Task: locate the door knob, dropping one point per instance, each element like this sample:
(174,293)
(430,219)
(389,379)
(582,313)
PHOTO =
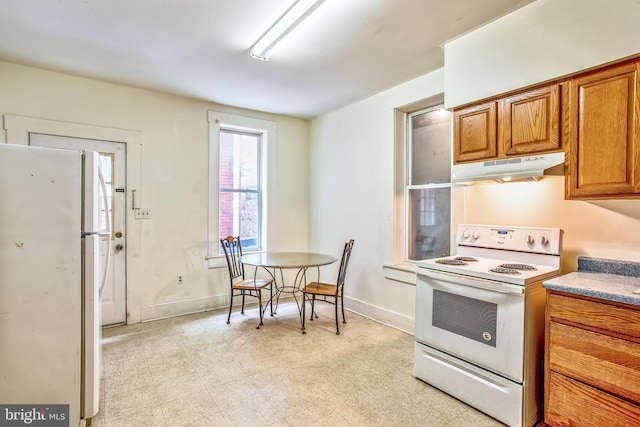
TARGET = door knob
(119,247)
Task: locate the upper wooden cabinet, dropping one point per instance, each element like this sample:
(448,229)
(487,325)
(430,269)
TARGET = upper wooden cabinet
(475,132)
(521,124)
(530,121)
(603,125)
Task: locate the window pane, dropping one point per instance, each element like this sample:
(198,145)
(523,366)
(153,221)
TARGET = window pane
(429,223)
(430,147)
(239,154)
(239,216)
(106,164)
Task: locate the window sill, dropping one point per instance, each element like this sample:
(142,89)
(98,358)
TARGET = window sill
(403,273)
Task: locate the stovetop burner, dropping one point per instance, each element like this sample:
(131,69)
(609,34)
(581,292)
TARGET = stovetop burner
(466,259)
(451,261)
(518,266)
(503,270)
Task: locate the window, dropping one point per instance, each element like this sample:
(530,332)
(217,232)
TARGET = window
(423,192)
(239,183)
(240,192)
(428,188)
(106,162)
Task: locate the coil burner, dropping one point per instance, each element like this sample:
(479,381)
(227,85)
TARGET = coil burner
(503,270)
(466,259)
(448,261)
(518,267)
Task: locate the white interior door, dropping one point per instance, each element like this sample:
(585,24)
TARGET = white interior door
(113,161)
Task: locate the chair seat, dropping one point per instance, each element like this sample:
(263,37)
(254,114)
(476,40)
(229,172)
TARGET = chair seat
(320,288)
(250,284)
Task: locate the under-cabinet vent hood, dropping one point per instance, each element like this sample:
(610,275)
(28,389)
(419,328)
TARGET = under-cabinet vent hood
(512,168)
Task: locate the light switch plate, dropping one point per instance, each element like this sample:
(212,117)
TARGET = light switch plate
(143,213)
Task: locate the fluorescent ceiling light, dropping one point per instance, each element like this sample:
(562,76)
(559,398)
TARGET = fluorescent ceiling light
(292,17)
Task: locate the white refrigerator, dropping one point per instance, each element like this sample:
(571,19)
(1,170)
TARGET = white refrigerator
(52,209)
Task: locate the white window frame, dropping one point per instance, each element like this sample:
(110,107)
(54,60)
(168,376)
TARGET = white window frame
(408,173)
(402,159)
(268,130)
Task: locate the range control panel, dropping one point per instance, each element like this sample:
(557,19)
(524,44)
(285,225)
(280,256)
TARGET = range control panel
(524,239)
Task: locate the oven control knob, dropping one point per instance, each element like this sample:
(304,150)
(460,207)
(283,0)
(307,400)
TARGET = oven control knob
(530,239)
(465,234)
(476,234)
(543,240)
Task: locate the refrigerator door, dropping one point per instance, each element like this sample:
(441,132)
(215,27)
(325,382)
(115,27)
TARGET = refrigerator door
(96,228)
(40,277)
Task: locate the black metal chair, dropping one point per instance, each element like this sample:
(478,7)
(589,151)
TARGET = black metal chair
(240,286)
(328,290)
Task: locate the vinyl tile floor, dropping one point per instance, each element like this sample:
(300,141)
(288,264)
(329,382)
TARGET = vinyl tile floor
(196,370)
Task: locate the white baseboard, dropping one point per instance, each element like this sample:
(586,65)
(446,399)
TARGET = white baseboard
(197,305)
(381,315)
(179,308)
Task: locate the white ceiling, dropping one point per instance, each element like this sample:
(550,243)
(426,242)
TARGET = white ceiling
(345,51)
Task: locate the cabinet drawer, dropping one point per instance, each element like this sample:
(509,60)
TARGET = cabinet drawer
(604,317)
(608,363)
(572,403)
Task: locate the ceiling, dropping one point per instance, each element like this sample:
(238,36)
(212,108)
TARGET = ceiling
(345,51)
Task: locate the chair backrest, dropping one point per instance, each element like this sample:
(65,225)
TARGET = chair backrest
(346,255)
(232,251)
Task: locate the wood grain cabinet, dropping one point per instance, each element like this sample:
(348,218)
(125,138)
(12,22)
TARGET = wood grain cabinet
(531,121)
(592,362)
(475,131)
(521,124)
(603,125)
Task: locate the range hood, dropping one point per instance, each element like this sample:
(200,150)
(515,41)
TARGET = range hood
(512,168)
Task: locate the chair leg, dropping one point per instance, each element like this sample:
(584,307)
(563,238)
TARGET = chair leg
(260,303)
(230,305)
(336,309)
(304,305)
(342,304)
(242,311)
(271,298)
(313,307)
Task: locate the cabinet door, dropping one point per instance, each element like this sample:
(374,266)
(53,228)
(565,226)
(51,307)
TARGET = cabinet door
(604,158)
(474,133)
(530,121)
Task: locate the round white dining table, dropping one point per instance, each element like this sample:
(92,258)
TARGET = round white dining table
(276,262)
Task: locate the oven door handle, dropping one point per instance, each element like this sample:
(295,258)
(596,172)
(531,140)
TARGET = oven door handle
(472,282)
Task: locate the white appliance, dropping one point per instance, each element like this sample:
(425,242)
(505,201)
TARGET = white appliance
(480,319)
(50,277)
(514,167)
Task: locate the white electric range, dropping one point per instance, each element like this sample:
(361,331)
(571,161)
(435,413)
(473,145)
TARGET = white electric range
(480,318)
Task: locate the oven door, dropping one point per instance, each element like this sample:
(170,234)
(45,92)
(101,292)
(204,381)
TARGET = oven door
(477,320)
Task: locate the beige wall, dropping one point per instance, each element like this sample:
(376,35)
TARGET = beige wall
(603,229)
(173,175)
(352,196)
(352,149)
(544,40)
(539,42)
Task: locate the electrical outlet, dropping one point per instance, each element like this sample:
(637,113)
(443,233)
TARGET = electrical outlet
(143,213)
(180,280)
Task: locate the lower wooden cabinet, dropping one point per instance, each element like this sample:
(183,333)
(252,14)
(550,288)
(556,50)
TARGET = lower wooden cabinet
(573,403)
(592,362)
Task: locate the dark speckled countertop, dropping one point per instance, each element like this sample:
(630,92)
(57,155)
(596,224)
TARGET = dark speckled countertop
(606,279)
